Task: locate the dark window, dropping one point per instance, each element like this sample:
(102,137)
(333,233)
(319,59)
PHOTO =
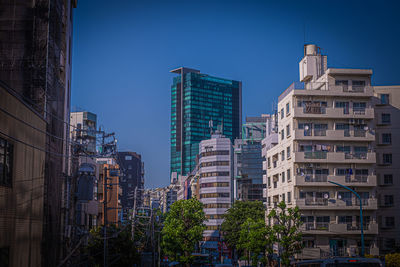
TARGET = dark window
(389,200)
(389,221)
(282,113)
(386,138)
(387,158)
(6,162)
(385,99)
(388,178)
(385,117)
(289,197)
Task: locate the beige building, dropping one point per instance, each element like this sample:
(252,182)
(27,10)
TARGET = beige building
(387,121)
(22,167)
(326,133)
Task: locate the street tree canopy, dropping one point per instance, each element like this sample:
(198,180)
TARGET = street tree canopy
(285,231)
(235,218)
(183,229)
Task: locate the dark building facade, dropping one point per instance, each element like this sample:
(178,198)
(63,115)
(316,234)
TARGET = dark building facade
(133,176)
(35,61)
(200,102)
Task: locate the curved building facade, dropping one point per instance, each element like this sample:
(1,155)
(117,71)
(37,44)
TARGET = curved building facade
(215,168)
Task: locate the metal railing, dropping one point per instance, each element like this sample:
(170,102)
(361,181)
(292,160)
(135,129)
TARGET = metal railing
(314,110)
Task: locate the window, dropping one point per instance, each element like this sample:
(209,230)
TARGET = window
(288,152)
(283,177)
(283,197)
(128,157)
(389,222)
(287,108)
(388,179)
(385,118)
(358,83)
(282,134)
(282,113)
(289,197)
(6,162)
(288,130)
(389,200)
(387,158)
(283,155)
(341,82)
(288,175)
(386,138)
(269,181)
(384,99)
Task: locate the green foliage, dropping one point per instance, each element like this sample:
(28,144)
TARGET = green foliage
(392,260)
(121,249)
(183,229)
(285,231)
(236,216)
(252,239)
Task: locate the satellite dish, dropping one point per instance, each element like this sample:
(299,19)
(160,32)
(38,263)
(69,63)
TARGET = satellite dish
(326,196)
(306,127)
(365,128)
(339,196)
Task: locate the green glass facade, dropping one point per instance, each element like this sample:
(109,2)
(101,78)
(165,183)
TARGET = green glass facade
(196,101)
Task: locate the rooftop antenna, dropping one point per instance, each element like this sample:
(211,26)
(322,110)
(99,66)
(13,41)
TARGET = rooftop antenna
(210,124)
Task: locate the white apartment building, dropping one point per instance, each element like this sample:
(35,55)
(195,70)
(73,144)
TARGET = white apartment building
(326,133)
(387,121)
(215,169)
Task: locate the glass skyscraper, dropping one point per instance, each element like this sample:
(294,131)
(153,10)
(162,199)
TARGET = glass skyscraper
(199,103)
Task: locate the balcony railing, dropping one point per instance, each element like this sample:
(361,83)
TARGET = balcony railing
(357,227)
(357,179)
(315,155)
(319,132)
(358,111)
(314,110)
(316,202)
(356,155)
(316,178)
(360,133)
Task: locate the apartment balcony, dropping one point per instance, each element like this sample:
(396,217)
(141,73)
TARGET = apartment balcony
(332,204)
(325,112)
(334,157)
(337,90)
(342,228)
(349,180)
(338,228)
(339,135)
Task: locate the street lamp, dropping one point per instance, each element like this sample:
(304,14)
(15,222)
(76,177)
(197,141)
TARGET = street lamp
(361,215)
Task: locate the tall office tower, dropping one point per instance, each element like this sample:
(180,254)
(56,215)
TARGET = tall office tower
(35,61)
(198,102)
(83,129)
(215,169)
(326,133)
(248,171)
(387,121)
(133,177)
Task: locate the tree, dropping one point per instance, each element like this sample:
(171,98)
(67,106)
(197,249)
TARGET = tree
(183,229)
(236,216)
(252,239)
(121,249)
(392,260)
(285,231)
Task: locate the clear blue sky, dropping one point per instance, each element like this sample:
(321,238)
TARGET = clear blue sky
(123,51)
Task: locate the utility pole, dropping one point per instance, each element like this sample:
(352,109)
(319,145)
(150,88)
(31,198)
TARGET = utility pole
(134,215)
(105,216)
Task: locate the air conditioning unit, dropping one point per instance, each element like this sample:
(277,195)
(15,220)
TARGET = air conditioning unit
(351,121)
